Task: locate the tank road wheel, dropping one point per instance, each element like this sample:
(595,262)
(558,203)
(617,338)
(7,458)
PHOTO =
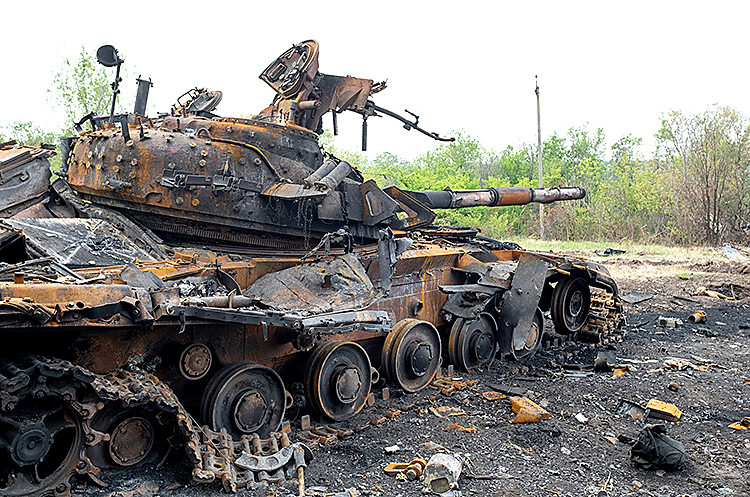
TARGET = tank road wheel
(411,354)
(472,344)
(136,435)
(244,397)
(571,301)
(528,345)
(40,445)
(338,379)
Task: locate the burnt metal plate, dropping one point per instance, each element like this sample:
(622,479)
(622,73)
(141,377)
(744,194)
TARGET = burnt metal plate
(286,74)
(23,180)
(80,242)
(521,301)
(636,297)
(319,287)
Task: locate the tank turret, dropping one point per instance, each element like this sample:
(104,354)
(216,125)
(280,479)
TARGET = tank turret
(257,182)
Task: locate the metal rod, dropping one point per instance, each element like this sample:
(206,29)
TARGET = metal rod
(408,124)
(364,134)
(539,157)
(301,480)
(115,91)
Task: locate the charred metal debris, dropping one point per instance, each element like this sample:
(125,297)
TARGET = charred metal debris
(135,416)
(184,269)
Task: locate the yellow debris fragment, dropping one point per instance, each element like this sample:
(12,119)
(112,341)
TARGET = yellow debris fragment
(662,410)
(445,411)
(526,410)
(683,364)
(701,290)
(742,424)
(621,371)
(492,396)
(454,426)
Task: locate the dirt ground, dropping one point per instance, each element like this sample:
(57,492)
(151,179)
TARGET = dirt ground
(561,456)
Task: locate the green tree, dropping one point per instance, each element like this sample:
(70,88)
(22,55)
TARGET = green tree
(516,165)
(82,86)
(626,148)
(585,145)
(27,133)
(710,162)
(387,169)
(353,157)
(465,154)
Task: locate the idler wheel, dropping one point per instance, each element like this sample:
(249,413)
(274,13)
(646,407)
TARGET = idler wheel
(338,379)
(244,397)
(131,441)
(411,354)
(571,302)
(41,441)
(472,343)
(135,435)
(527,345)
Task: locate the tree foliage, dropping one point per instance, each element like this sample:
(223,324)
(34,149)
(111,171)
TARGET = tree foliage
(79,87)
(353,157)
(695,191)
(710,167)
(27,133)
(82,86)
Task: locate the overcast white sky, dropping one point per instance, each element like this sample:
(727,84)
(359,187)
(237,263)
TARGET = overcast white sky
(459,65)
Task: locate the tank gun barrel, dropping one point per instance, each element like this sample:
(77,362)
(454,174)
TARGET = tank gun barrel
(491,197)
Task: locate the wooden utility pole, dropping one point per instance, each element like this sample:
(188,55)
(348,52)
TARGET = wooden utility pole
(539,157)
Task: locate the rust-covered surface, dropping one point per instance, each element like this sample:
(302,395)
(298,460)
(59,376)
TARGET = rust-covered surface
(185,269)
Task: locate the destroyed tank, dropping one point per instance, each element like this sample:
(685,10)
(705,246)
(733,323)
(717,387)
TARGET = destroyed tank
(186,272)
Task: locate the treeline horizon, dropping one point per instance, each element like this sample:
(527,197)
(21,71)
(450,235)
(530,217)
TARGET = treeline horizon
(692,191)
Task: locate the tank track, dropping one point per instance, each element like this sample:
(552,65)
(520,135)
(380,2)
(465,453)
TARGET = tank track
(605,321)
(34,389)
(604,325)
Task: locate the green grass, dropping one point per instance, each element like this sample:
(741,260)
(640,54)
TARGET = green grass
(632,250)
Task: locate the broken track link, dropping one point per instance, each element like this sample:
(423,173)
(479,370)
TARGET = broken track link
(605,321)
(603,325)
(46,411)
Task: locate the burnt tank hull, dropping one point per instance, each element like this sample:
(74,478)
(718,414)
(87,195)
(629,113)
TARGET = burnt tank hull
(198,281)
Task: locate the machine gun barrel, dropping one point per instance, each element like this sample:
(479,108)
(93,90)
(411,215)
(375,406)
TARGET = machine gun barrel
(491,197)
